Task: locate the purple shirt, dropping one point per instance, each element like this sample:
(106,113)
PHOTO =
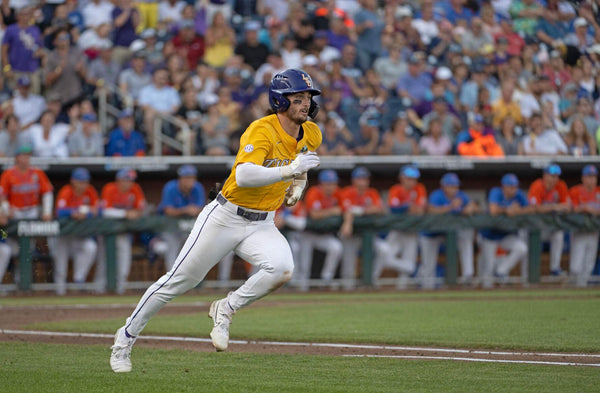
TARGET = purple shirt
(22,43)
(125,34)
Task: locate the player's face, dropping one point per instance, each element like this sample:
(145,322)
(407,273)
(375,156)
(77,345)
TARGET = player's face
(550,181)
(124,184)
(299,106)
(450,191)
(408,182)
(509,191)
(361,183)
(589,181)
(79,186)
(22,161)
(186,183)
(329,188)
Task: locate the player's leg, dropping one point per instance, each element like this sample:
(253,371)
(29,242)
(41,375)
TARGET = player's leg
(349,256)
(4,258)
(589,258)
(123,245)
(556,249)
(83,258)
(576,254)
(59,249)
(225,265)
(517,252)
(430,248)
(466,238)
(333,248)
(173,243)
(488,261)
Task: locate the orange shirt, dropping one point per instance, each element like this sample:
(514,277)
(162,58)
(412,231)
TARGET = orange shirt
(24,189)
(538,195)
(67,199)
(581,196)
(399,196)
(316,199)
(115,198)
(350,197)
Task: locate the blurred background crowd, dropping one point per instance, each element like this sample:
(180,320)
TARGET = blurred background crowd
(463,77)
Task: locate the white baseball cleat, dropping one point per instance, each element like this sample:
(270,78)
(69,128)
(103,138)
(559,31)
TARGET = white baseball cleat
(221,315)
(120,358)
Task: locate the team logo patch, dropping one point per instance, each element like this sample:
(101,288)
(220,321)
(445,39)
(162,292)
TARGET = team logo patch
(304,149)
(249,148)
(307,80)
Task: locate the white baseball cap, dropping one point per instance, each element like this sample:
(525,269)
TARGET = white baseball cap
(443,73)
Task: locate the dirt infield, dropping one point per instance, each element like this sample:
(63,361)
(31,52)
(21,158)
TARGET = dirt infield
(14,321)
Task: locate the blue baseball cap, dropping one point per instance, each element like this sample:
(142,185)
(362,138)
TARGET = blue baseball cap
(450,179)
(510,179)
(126,174)
(589,170)
(553,169)
(89,117)
(80,174)
(187,170)
(360,171)
(328,176)
(127,112)
(23,81)
(410,171)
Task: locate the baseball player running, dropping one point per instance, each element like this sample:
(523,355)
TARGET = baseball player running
(276,152)
(407,197)
(584,245)
(77,201)
(550,194)
(511,201)
(26,193)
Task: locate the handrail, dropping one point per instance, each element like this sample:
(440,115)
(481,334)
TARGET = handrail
(158,138)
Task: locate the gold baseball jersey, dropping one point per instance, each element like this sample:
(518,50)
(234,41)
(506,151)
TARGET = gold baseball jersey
(266,143)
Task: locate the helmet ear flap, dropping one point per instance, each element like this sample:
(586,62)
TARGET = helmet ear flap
(314,108)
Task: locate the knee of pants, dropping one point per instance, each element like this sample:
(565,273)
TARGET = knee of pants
(335,248)
(521,248)
(90,247)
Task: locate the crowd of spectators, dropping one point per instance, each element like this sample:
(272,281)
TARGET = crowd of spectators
(464,77)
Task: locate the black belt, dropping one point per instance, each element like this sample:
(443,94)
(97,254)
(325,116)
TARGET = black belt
(248,215)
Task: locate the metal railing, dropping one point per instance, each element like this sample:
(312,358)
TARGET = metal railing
(105,109)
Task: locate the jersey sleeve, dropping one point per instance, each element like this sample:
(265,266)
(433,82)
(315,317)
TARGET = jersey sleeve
(255,144)
(106,195)
(140,199)
(200,195)
(535,194)
(312,199)
(563,192)
(421,195)
(574,194)
(437,198)
(495,196)
(315,137)
(374,194)
(522,198)
(45,185)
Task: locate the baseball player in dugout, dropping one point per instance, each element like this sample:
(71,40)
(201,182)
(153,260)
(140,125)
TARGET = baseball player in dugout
(550,194)
(407,197)
(77,200)
(585,198)
(122,198)
(26,193)
(276,152)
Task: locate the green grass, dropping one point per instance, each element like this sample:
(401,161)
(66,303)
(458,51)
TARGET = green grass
(562,323)
(68,368)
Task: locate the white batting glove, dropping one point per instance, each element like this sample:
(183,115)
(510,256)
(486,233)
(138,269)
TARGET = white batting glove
(300,165)
(294,192)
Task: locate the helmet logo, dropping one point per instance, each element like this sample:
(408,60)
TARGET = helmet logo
(307,80)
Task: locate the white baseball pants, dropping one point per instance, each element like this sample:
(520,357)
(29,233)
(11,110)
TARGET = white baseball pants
(352,245)
(330,244)
(123,251)
(517,251)
(584,251)
(557,241)
(82,250)
(405,244)
(219,230)
(430,250)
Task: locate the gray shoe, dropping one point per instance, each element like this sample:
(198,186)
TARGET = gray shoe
(120,358)
(221,313)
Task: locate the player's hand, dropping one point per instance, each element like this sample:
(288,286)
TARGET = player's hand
(294,192)
(302,164)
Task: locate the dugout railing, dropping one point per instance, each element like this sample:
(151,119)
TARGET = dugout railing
(367,227)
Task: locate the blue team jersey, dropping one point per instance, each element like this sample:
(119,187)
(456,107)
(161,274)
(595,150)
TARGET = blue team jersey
(497,196)
(173,197)
(439,199)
